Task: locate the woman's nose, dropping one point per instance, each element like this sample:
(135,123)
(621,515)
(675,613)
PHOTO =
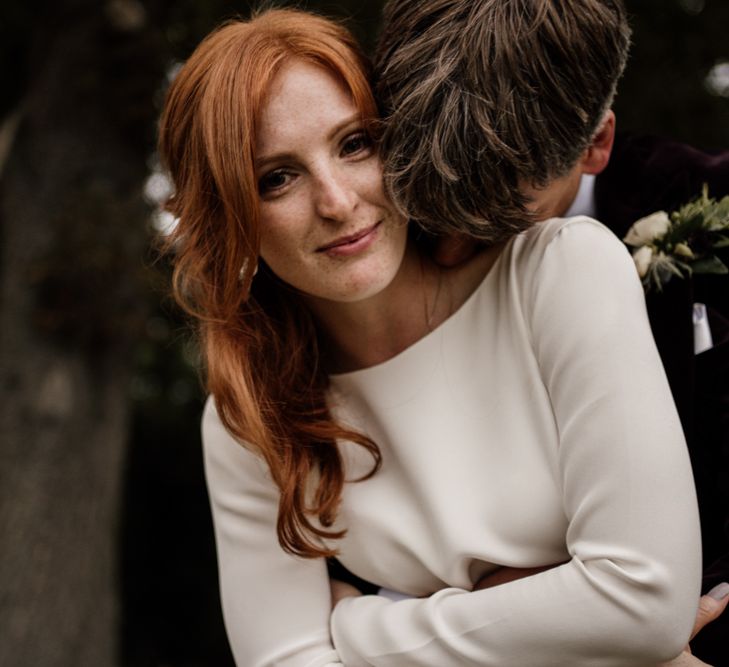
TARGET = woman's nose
(336,197)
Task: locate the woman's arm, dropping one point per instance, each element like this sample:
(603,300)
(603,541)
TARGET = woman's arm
(710,607)
(276,607)
(628,594)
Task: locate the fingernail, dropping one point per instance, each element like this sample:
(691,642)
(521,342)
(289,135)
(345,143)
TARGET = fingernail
(719,592)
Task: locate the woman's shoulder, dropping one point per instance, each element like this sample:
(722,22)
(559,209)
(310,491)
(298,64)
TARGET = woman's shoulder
(523,254)
(578,241)
(579,229)
(211,426)
(575,260)
(223,454)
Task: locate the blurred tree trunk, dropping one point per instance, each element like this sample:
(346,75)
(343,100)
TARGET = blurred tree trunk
(72,223)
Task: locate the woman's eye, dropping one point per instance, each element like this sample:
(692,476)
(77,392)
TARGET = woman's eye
(356,143)
(273,181)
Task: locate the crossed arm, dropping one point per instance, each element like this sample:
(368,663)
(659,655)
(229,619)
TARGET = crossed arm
(710,607)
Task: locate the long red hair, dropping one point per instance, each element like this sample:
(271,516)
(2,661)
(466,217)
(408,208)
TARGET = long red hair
(259,342)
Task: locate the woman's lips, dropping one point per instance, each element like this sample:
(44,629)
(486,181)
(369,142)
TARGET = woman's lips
(352,244)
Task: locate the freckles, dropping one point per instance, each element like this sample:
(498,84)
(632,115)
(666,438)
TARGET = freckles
(377,184)
(284,232)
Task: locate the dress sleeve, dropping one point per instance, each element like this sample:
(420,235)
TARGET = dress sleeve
(628,595)
(276,606)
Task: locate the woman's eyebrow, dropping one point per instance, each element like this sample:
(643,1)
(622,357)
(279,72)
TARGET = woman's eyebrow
(261,161)
(258,163)
(354,118)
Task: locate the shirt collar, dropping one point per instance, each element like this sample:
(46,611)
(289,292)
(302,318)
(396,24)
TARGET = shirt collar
(584,201)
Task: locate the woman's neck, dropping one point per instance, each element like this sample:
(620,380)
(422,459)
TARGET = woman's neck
(421,297)
(364,333)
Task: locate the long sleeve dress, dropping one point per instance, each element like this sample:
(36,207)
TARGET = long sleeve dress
(534,426)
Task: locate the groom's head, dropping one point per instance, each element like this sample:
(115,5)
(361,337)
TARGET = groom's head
(490,103)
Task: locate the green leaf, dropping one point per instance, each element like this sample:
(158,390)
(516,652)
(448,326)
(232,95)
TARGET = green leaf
(709,265)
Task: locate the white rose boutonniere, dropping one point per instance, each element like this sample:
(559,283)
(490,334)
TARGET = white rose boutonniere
(681,243)
(642,258)
(648,228)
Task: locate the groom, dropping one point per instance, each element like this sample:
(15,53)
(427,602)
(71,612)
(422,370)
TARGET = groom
(498,114)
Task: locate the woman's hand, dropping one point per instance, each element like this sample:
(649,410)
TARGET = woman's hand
(341,590)
(710,608)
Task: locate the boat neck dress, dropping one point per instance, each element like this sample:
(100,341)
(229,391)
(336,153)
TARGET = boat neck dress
(534,426)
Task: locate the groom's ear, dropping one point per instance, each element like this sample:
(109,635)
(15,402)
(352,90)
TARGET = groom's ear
(597,155)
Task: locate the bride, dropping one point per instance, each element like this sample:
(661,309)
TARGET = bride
(431,427)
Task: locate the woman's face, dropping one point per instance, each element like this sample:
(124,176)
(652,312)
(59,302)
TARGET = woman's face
(327,227)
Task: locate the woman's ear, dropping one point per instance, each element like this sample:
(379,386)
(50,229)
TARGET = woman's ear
(597,155)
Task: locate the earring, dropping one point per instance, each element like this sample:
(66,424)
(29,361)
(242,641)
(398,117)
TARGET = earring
(242,274)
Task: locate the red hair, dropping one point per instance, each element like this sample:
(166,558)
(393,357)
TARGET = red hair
(259,342)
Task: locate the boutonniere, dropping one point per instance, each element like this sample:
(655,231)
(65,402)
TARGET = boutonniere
(681,243)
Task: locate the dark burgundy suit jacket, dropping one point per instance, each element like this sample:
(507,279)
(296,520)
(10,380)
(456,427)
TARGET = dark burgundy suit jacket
(647,174)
